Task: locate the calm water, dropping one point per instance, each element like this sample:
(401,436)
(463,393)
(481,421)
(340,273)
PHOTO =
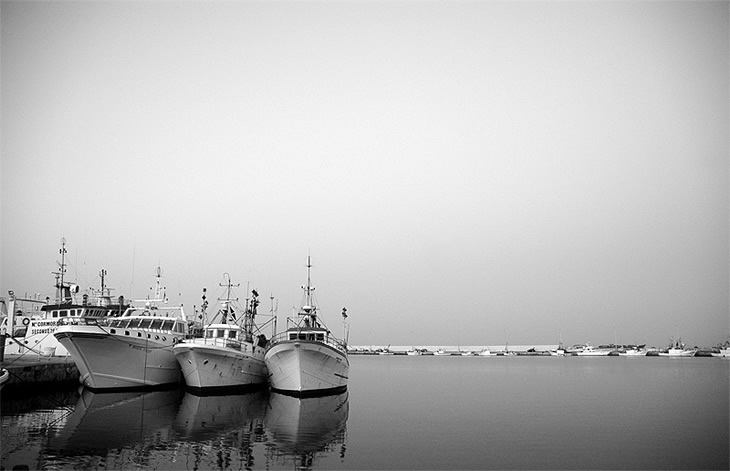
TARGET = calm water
(401,412)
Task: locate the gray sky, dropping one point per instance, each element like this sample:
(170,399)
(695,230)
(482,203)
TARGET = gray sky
(461,172)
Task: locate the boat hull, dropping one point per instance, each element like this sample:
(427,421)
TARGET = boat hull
(36,339)
(307,368)
(212,367)
(115,361)
(677,352)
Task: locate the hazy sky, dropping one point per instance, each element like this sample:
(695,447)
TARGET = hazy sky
(461,172)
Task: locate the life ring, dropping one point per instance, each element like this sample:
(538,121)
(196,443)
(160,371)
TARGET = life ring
(26,321)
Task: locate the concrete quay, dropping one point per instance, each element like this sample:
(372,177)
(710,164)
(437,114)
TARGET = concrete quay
(31,371)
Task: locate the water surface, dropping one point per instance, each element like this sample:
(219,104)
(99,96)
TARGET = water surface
(400,412)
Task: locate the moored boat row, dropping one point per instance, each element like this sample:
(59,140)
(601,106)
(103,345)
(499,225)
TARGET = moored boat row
(151,344)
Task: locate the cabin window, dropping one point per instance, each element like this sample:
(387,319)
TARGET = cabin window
(124,324)
(320,337)
(62,313)
(232,334)
(292,336)
(220,333)
(134,323)
(145,324)
(168,325)
(209,334)
(157,323)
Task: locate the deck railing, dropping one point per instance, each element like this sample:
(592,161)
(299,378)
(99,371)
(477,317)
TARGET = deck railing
(310,336)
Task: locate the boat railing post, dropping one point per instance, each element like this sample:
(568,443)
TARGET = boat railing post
(2,345)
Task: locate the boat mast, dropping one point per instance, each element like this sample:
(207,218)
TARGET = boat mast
(159,289)
(309,309)
(227,301)
(309,288)
(60,295)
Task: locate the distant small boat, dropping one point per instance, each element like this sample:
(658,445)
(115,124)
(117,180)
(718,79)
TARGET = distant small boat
(677,349)
(633,352)
(723,350)
(485,352)
(413,352)
(386,351)
(441,352)
(589,350)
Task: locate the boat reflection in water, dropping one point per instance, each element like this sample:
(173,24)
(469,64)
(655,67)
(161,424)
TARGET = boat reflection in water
(102,422)
(206,417)
(221,431)
(175,429)
(300,429)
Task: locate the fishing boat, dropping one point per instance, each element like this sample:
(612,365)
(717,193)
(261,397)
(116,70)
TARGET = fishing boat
(413,351)
(133,350)
(31,321)
(229,355)
(486,352)
(677,348)
(588,350)
(307,359)
(723,349)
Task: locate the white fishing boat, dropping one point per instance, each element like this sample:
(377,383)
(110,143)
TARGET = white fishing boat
(441,352)
(307,359)
(30,322)
(724,352)
(230,355)
(386,351)
(589,350)
(723,349)
(413,351)
(677,348)
(632,350)
(130,351)
(486,352)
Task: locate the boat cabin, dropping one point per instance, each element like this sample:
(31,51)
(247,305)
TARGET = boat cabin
(307,334)
(152,323)
(58,311)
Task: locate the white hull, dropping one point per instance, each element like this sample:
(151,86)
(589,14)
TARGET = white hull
(37,340)
(209,366)
(633,353)
(724,353)
(302,367)
(106,360)
(677,352)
